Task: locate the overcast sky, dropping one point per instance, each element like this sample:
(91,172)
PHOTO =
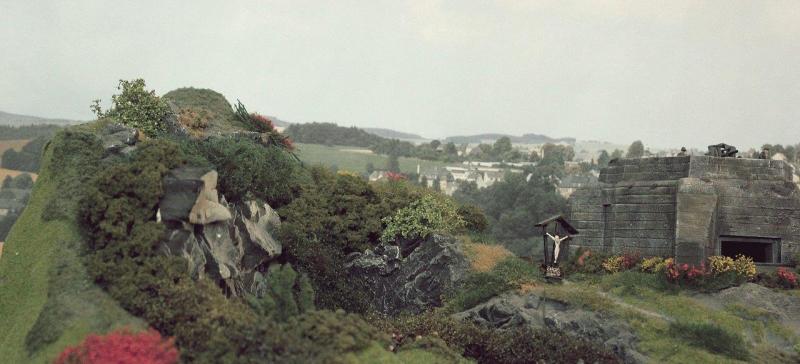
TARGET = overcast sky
(669,73)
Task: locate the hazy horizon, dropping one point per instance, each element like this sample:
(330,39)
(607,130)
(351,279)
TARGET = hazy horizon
(687,73)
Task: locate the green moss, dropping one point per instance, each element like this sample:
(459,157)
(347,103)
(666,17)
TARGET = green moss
(711,337)
(40,270)
(221,114)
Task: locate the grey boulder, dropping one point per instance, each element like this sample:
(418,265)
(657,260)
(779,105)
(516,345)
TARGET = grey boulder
(227,243)
(409,284)
(512,310)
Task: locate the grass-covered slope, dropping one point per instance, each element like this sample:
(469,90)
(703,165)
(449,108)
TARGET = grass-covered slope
(220,111)
(47,301)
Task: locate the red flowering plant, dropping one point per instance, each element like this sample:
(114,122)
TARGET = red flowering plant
(786,278)
(394,176)
(122,347)
(630,260)
(686,274)
(261,124)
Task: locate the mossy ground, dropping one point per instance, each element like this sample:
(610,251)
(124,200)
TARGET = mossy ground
(42,278)
(650,307)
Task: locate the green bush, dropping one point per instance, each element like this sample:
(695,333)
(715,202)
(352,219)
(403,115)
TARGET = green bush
(334,215)
(474,218)
(327,335)
(248,170)
(287,294)
(712,338)
(485,345)
(75,158)
(137,108)
(422,218)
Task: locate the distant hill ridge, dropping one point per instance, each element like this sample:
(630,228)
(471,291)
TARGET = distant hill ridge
(392,134)
(7,118)
(529,138)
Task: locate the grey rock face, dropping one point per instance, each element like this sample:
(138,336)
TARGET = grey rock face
(414,283)
(515,310)
(118,139)
(227,243)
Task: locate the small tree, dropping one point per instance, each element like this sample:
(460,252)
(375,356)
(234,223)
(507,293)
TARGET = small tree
(636,150)
(393,165)
(136,107)
(287,294)
(603,158)
(422,218)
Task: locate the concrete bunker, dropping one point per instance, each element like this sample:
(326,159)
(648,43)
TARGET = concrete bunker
(691,207)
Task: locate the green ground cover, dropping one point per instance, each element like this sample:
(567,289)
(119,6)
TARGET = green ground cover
(47,300)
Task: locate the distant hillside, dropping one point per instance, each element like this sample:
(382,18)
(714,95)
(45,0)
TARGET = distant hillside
(524,139)
(392,134)
(7,118)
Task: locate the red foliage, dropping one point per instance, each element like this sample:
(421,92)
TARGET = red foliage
(393,176)
(630,260)
(582,258)
(786,278)
(261,123)
(287,143)
(122,347)
(686,273)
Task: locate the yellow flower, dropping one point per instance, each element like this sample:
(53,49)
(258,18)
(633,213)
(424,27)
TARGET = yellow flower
(720,264)
(613,264)
(652,264)
(744,266)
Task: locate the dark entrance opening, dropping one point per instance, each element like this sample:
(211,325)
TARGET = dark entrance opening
(760,249)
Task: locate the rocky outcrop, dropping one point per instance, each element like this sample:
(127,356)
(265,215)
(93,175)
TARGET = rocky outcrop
(517,309)
(231,244)
(412,283)
(118,139)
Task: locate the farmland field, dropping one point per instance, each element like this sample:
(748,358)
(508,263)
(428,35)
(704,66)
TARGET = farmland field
(354,159)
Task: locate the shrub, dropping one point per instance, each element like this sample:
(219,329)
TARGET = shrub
(712,338)
(720,264)
(122,347)
(486,345)
(248,170)
(785,278)
(622,262)
(744,267)
(652,265)
(474,218)
(422,218)
(137,108)
(261,124)
(324,336)
(586,261)
(287,294)
(195,121)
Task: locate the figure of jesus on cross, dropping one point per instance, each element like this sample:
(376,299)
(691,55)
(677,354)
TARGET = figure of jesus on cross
(557,245)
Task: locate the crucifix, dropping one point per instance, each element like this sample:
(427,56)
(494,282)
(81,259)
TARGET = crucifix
(557,245)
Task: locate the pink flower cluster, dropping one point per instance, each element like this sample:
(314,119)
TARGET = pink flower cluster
(122,347)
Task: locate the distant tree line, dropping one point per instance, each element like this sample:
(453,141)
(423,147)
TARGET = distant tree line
(28,159)
(501,150)
(27,132)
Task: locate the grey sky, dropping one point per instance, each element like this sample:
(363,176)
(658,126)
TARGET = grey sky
(670,73)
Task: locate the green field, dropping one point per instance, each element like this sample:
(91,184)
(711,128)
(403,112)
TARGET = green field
(355,159)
